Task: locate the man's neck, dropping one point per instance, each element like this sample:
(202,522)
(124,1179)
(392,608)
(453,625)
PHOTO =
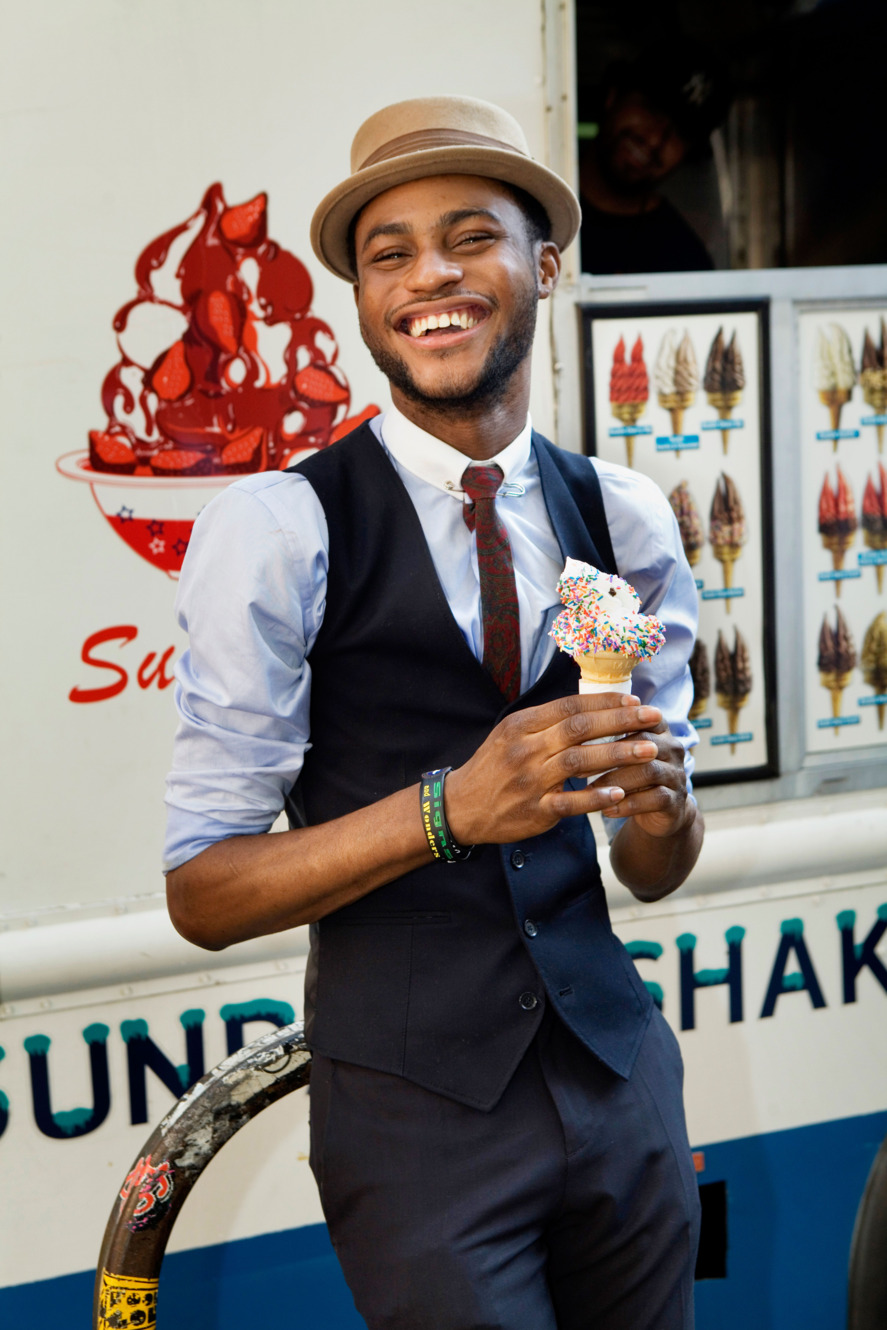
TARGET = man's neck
(479,434)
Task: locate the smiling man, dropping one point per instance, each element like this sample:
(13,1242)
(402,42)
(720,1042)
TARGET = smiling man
(496,1118)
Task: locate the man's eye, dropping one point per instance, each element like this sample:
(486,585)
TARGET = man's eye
(475,238)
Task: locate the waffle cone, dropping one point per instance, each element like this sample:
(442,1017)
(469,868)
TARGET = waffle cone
(676,404)
(835,399)
(605,669)
(724,404)
(732,705)
(837,547)
(628,413)
(726,556)
(835,681)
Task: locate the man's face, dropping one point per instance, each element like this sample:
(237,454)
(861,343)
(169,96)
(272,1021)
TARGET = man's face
(639,145)
(448,282)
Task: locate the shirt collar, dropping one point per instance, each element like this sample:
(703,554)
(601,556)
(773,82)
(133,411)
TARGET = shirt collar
(436,462)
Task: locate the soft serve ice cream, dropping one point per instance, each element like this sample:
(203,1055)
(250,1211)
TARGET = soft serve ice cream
(602,627)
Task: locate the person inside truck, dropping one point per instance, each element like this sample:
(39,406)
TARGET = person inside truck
(657,113)
(497,1128)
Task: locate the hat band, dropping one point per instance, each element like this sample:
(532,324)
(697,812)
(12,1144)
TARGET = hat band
(423,139)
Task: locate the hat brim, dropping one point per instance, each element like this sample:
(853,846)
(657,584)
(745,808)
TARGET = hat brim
(334,215)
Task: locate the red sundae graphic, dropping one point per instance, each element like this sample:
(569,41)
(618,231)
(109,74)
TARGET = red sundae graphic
(223,370)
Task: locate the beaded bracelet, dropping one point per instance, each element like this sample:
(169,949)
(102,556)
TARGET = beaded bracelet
(434,819)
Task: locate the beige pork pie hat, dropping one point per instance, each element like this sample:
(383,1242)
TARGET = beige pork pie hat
(429,136)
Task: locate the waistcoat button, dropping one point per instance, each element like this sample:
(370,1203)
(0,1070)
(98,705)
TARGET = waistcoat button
(530,928)
(528,1001)
(518,859)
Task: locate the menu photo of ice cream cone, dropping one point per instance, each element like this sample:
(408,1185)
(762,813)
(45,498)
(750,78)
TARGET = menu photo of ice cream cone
(727,533)
(836,662)
(837,527)
(835,375)
(629,394)
(676,379)
(874,525)
(873,381)
(873,662)
(733,685)
(683,506)
(700,673)
(724,381)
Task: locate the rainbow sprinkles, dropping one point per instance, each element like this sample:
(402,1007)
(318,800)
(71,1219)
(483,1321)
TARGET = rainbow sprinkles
(603,613)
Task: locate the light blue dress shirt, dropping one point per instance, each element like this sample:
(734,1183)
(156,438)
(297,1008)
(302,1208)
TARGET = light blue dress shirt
(252,596)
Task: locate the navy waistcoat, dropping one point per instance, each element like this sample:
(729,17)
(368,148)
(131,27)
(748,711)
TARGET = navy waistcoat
(442,975)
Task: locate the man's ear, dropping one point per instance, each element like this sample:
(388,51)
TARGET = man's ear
(356,289)
(549,268)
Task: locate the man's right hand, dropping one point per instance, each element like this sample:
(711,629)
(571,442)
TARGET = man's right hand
(513,786)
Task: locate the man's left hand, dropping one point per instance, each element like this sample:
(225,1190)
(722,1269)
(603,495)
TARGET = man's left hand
(655,793)
(659,843)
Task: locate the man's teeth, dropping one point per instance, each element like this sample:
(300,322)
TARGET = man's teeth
(457,318)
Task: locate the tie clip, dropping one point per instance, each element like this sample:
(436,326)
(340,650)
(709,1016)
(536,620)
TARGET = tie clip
(512,489)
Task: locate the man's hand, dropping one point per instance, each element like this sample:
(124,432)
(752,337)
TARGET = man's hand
(656,792)
(655,850)
(513,786)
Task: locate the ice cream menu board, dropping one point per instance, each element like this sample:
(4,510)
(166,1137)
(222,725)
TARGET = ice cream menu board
(842,357)
(677,392)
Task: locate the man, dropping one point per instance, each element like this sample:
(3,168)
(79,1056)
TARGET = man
(497,1130)
(658,112)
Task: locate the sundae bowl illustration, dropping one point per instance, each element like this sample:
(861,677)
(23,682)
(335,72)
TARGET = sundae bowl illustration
(223,370)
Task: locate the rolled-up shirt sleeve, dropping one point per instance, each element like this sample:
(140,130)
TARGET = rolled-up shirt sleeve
(251,598)
(649,554)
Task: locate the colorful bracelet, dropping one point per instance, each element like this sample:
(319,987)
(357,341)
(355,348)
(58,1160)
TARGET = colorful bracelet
(434,819)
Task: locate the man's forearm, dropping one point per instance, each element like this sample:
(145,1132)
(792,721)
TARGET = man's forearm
(512,787)
(248,886)
(652,866)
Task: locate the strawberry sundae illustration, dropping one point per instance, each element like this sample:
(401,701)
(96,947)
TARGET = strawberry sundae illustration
(249,381)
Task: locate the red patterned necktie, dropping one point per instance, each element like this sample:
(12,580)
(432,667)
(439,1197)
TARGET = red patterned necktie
(498,593)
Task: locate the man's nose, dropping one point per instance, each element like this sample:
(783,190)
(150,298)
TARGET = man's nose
(658,131)
(432,268)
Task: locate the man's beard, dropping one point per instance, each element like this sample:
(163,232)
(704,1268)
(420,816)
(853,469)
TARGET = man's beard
(504,359)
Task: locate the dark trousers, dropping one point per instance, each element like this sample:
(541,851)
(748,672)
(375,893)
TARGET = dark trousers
(572,1205)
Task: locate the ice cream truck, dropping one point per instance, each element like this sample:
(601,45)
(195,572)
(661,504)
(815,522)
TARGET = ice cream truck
(161,155)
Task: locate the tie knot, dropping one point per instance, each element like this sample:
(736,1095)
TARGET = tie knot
(482,482)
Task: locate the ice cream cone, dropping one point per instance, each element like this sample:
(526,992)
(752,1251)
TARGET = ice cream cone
(604,671)
(879,576)
(881,709)
(628,413)
(732,705)
(726,556)
(835,681)
(835,399)
(676,404)
(699,708)
(724,404)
